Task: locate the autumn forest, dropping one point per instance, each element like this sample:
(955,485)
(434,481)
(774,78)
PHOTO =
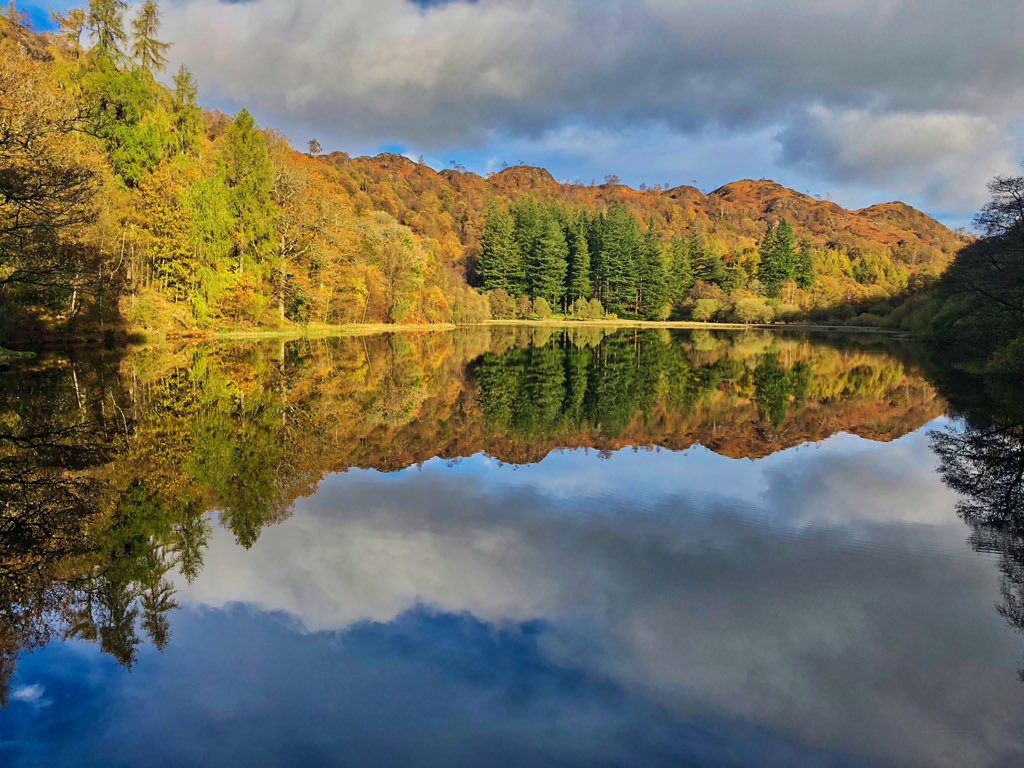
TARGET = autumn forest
(128,207)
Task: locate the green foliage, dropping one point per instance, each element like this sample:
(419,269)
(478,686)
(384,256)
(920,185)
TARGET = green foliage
(249,176)
(500,265)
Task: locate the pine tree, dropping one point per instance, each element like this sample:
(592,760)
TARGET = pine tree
(106,25)
(652,287)
(579,285)
(250,179)
(620,246)
(778,259)
(681,274)
(500,264)
(147,50)
(708,265)
(547,263)
(804,273)
(187,115)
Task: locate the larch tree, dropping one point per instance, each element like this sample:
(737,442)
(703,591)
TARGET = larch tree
(150,52)
(106,26)
(188,118)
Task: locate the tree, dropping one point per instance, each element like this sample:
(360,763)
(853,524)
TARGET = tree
(314,148)
(620,245)
(47,189)
(188,119)
(708,264)
(804,272)
(500,264)
(778,259)
(578,285)
(652,286)
(147,50)
(681,275)
(106,25)
(547,263)
(71,27)
(249,174)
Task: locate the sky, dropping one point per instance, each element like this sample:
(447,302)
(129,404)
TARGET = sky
(858,101)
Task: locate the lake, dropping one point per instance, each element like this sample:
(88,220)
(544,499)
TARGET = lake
(508,546)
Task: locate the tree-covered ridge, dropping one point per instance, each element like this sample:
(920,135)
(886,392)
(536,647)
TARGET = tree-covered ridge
(125,206)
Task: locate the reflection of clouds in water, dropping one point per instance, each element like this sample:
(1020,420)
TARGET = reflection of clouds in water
(804,604)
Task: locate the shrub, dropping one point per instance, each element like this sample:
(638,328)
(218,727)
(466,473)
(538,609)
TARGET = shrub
(664,313)
(524,309)
(503,306)
(752,311)
(580,309)
(541,308)
(705,310)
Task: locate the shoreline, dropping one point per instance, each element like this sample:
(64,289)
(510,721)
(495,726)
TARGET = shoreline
(136,337)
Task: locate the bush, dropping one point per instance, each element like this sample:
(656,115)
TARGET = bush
(524,310)
(541,308)
(468,306)
(596,311)
(664,313)
(706,310)
(579,309)
(503,306)
(752,311)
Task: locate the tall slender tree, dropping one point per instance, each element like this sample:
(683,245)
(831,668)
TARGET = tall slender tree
(146,48)
(500,264)
(188,118)
(249,174)
(579,285)
(681,270)
(652,287)
(547,263)
(106,26)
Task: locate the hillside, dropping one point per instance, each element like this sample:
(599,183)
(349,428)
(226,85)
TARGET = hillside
(130,207)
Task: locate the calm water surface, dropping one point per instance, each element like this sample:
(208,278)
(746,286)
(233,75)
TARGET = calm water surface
(506,548)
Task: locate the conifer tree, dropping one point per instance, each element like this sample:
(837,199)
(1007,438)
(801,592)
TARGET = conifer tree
(106,25)
(579,285)
(778,259)
(187,115)
(804,272)
(620,245)
(147,50)
(652,288)
(708,265)
(500,264)
(681,274)
(547,263)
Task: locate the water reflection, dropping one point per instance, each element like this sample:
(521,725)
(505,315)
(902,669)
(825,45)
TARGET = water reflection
(420,603)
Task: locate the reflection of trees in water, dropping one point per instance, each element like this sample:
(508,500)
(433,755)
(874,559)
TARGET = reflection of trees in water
(108,471)
(985,465)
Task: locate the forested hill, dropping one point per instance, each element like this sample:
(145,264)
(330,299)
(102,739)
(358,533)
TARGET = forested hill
(125,205)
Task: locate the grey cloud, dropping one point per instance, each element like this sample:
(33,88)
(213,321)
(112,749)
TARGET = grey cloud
(460,74)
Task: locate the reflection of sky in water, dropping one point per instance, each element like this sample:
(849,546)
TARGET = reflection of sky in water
(819,606)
